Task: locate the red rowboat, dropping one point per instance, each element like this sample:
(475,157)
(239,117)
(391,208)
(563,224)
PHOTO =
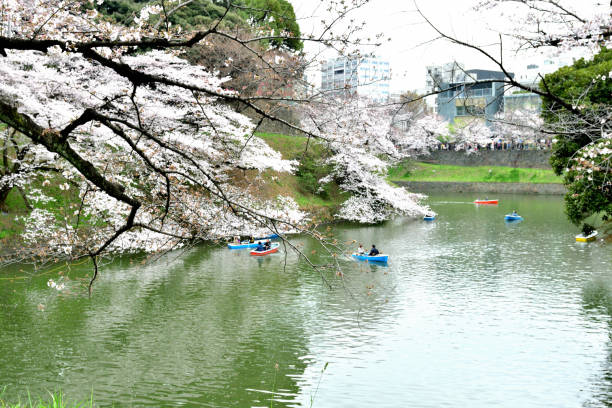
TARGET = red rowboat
(486,201)
(273,249)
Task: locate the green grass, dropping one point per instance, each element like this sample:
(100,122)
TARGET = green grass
(291,147)
(15,206)
(417,171)
(307,201)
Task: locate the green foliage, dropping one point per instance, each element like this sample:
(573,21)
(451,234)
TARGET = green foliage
(203,13)
(310,171)
(275,16)
(585,84)
(576,84)
(570,83)
(587,229)
(589,192)
(278,16)
(304,190)
(311,168)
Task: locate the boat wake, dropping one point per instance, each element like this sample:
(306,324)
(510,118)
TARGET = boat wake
(453,202)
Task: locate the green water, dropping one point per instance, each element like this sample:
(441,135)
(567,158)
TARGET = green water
(469,312)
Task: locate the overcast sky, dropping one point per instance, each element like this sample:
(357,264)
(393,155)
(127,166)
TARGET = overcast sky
(411,48)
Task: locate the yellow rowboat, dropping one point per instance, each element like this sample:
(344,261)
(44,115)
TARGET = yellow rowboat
(591,237)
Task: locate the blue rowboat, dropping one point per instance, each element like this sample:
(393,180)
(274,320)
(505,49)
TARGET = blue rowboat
(271,236)
(513,217)
(375,258)
(245,244)
(429,217)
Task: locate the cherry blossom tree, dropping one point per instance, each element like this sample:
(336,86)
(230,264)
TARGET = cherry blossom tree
(422,134)
(145,146)
(519,126)
(363,142)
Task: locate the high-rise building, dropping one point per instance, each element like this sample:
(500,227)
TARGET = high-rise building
(367,77)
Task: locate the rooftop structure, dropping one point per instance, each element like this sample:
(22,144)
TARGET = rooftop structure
(450,72)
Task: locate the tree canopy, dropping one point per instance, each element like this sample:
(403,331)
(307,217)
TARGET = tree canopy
(150,149)
(276,18)
(587,85)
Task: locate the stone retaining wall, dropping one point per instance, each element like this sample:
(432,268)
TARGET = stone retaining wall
(501,188)
(536,159)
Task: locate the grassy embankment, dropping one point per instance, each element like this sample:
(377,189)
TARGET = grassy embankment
(15,206)
(302,186)
(417,171)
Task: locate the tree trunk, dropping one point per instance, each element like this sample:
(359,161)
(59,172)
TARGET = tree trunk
(4,192)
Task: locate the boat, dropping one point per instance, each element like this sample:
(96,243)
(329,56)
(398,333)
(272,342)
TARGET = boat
(248,244)
(273,249)
(244,244)
(486,201)
(591,237)
(513,217)
(271,236)
(429,217)
(375,258)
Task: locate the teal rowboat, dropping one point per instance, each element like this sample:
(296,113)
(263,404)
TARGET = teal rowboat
(375,258)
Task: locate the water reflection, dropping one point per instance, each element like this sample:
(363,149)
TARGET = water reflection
(469,311)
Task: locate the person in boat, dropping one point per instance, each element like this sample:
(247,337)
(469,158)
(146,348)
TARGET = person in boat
(251,240)
(373,251)
(360,250)
(260,247)
(268,245)
(514,213)
(237,239)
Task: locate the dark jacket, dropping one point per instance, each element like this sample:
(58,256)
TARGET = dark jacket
(374,251)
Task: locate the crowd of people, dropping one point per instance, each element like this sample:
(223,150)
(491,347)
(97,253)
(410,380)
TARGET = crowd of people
(499,144)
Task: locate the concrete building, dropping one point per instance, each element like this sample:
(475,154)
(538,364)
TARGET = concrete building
(367,77)
(465,98)
(448,73)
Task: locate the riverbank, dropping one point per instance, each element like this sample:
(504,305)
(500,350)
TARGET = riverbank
(427,177)
(419,171)
(482,188)
(303,187)
(539,159)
